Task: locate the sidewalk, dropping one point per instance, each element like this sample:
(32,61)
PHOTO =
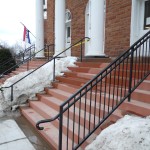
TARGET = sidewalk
(17,134)
(12,137)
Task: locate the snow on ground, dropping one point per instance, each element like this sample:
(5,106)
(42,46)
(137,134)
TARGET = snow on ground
(128,133)
(32,84)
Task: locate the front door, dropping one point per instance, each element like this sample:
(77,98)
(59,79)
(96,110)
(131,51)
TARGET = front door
(140,19)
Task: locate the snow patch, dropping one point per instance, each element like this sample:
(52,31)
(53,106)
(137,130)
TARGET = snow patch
(34,83)
(128,133)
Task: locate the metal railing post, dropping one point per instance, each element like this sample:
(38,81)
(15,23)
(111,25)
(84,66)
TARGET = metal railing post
(130,76)
(54,70)
(12,94)
(30,54)
(60,128)
(23,56)
(81,51)
(27,65)
(48,50)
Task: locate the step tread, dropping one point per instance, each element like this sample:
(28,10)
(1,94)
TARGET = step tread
(140,104)
(44,108)
(61,92)
(71,78)
(142,91)
(68,85)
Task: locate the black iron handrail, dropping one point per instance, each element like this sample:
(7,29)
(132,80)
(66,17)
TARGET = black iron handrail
(53,58)
(102,95)
(26,60)
(6,62)
(19,56)
(46,121)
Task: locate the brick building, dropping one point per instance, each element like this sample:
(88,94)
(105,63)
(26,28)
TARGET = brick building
(111,25)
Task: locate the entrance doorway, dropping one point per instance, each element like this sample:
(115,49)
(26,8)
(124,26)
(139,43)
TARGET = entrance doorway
(140,19)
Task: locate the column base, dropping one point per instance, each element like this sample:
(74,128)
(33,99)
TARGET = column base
(40,57)
(102,56)
(95,55)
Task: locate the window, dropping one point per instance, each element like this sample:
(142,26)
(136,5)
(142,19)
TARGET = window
(68,32)
(147,15)
(43,2)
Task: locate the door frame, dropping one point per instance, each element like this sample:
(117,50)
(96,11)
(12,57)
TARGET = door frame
(137,20)
(87,27)
(68,32)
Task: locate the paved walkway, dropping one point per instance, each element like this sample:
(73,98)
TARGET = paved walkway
(16,131)
(12,137)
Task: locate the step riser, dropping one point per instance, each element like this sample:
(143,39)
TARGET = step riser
(133,109)
(92,65)
(71,81)
(79,75)
(85,70)
(144,86)
(57,95)
(65,88)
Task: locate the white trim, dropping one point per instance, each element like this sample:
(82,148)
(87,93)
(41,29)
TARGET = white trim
(68,24)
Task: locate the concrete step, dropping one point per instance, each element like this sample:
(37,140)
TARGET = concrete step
(92,64)
(79,75)
(136,107)
(59,94)
(72,80)
(85,69)
(65,87)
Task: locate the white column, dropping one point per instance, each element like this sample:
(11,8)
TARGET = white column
(59,26)
(39,28)
(97,28)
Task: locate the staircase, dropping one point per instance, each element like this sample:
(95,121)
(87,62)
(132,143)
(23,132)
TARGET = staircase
(33,64)
(76,122)
(91,96)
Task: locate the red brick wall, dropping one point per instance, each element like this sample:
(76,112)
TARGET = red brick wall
(117,26)
(49,30)
(77,9)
